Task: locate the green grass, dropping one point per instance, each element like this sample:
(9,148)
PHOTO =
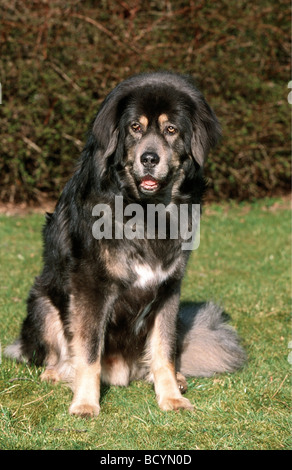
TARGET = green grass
(243,262)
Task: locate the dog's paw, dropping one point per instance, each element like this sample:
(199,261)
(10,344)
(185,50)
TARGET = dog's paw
(175,404)
(50,375)
(84,410)
(181,382)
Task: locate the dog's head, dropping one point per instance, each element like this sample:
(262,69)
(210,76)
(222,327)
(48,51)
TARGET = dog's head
(152,128)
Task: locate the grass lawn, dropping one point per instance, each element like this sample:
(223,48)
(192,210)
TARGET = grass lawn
(243,262)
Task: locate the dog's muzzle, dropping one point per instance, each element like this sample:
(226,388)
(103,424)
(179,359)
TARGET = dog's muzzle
(149,159)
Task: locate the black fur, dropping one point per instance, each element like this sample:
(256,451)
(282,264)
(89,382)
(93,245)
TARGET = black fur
(116,308)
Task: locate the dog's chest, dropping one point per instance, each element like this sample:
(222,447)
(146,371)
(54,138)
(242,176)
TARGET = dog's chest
(148,276)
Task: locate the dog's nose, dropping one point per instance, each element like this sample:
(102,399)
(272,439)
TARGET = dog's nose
(149,159)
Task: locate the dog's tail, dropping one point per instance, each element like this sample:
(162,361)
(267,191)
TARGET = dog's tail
(206,344)
(14,351)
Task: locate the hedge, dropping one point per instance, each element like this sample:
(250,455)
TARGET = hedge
(60,59)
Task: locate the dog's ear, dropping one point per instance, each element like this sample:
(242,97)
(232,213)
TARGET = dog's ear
(206,130)
(105,126)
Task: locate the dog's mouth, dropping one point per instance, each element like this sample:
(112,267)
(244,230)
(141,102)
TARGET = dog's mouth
(148,184)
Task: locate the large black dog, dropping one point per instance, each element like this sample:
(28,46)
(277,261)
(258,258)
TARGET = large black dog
(106,308)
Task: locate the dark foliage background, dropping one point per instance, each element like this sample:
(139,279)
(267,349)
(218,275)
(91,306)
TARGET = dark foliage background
(59,59)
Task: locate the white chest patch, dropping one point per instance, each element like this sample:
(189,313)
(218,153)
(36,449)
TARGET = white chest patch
(147,276)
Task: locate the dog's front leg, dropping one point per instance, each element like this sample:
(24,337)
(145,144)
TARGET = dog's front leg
(87,328)
(162,348)
(86,386)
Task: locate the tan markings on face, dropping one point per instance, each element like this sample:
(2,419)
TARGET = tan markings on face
(144,121)
(163,118)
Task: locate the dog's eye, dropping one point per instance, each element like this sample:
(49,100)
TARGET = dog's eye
(171,130)
(136,127)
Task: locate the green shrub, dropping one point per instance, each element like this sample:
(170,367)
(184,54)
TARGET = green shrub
(60,59)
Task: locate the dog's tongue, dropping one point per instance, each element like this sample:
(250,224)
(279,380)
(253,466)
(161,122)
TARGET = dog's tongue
(148,182)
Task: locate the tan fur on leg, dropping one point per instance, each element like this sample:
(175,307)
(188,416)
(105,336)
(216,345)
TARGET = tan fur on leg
(86,385)
(87,375)
(166,387)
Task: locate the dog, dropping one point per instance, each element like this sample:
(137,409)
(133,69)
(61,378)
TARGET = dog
(107,308)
